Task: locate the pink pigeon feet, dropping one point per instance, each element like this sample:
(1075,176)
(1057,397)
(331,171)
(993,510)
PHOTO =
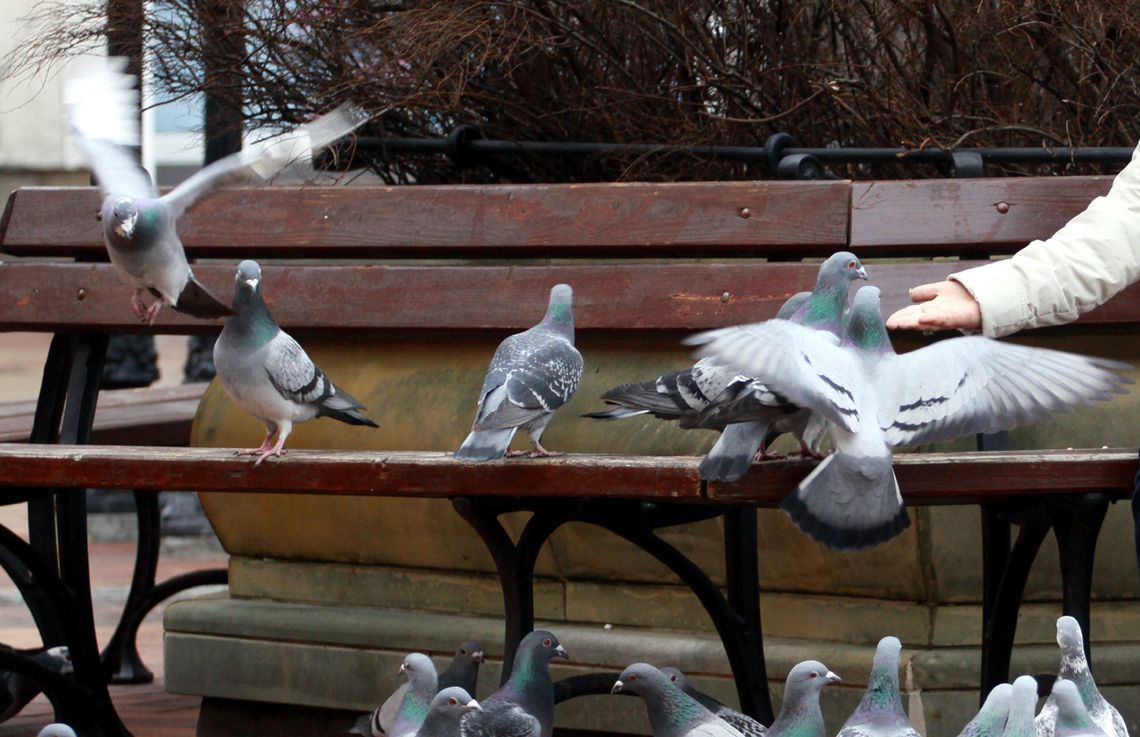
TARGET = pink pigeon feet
(538,452)
(144,312)
(806,452)
(265,450)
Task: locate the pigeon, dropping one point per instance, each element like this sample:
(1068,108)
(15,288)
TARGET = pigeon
(869,399)
(269,375)
(800,715)
(1022,704)
(1075,668)
(464,668)
(415,698)
(56,729)
(1073,719)
(524,705)
(672,712)
(16,690)
(532,374)
(748,414)
(447,711)
(990,719)
(742,723)
(139,226)
(880,713)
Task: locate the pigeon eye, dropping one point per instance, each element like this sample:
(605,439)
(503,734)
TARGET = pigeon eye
(546,642)
(452,700)
(851,264)
(633,677)
(813,674)
(462,651)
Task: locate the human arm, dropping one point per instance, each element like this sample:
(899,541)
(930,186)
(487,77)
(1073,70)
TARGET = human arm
(1050,282)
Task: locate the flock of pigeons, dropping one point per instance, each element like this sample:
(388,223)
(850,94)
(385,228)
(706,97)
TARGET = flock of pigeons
(442,706)
(823,372)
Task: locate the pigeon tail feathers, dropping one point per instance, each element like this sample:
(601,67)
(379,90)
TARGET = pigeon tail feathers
(486,445)
(197,301)
(848,503)
(732,455)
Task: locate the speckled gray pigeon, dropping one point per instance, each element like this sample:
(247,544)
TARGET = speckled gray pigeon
(1073,719)
(1075,668)
(139,226)
(880,713)
(672,712)
(990,719)
(1022,705)
(531,375)
(269,375)
(868,399)
(16,690)
(464,668)
(524,705)
(743,723)
(800,715)
(413,704)
(447,711)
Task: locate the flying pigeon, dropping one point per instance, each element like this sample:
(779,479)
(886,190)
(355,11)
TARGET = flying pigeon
(672,712)
(524,705)
(139,226)
(742,723)
(16,690)
(990,719)
(532,374)
(464,668)
(446,713)
(800,715)
(1075,668)
(880,713)
(1073,719)
(748,414)
(415,698)
(269,375)
(870,399)
(1022,704)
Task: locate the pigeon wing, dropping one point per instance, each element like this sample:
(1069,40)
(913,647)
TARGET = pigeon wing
(508,720)
(536,376)
(804,366)
(103,109)
(975,384)
(293,373)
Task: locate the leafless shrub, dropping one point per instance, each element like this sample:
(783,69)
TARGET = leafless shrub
(919,73)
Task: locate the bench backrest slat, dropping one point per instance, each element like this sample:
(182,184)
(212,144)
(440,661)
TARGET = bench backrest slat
(975,216)
(601,220)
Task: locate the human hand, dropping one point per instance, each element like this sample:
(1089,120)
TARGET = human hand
(943,305)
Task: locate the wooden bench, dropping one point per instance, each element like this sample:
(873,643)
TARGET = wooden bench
(657,260)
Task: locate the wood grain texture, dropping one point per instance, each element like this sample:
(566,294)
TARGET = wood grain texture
(348,473)
(964,216)
(547,220)
(929,478)
(40,297)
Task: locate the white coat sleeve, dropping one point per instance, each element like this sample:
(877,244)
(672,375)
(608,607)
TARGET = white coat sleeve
(1050,282)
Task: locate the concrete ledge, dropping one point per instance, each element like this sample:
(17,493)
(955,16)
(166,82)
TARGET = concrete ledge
(347,658)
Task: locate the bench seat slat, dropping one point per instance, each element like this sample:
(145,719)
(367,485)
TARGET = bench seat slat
(636,219)
(928,478)
(674,297)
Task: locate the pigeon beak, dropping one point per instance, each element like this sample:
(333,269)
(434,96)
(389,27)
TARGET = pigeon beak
(832,678)
(477,656)
(473,704)
(251,283)
(862,272)
(127,227)
(561,652)
(616,688)
(402,668)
